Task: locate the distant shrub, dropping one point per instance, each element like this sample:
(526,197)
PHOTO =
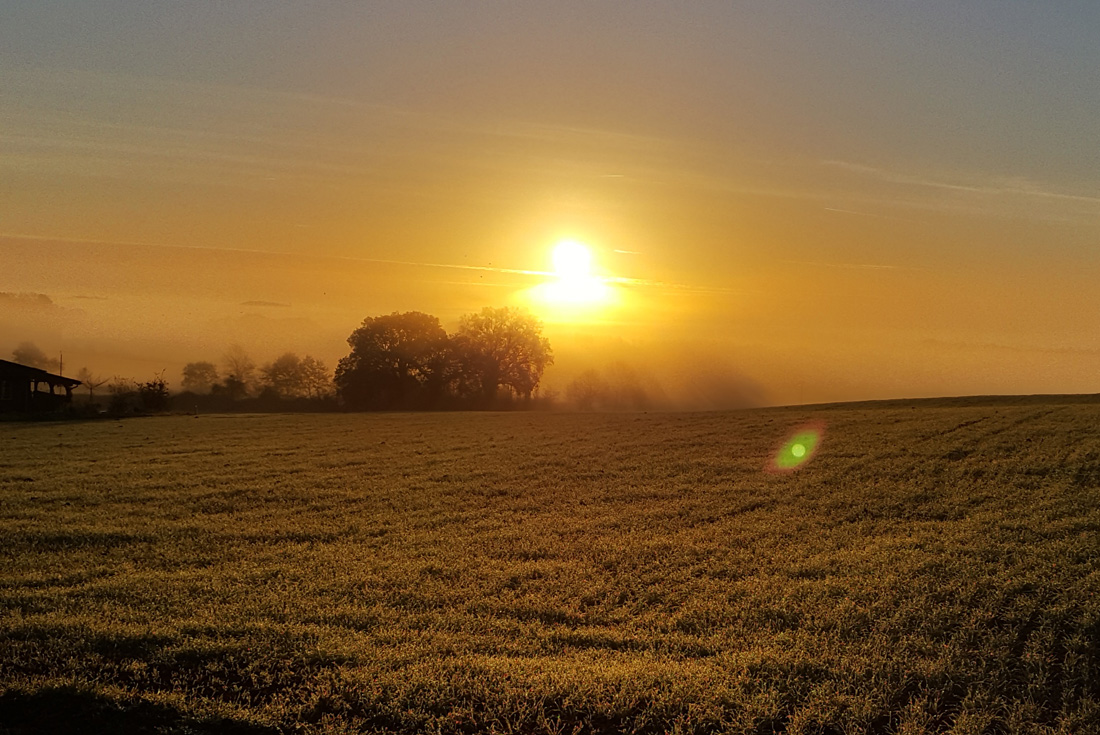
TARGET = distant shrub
(124,397)
(154,395)
(618,389)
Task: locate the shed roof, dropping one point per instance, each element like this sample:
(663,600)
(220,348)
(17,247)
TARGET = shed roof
(13,370)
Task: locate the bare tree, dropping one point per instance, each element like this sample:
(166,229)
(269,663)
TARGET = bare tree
(587,391)
(91,382)
(618,389)
(316,378)
(240,371)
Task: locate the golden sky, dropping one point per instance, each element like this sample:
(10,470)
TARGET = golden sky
(798,202)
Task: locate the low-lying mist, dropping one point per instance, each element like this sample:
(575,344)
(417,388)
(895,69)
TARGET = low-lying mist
(677,379)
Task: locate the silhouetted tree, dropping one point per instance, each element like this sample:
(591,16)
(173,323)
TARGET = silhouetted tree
(316,379)
(293,377)
(199,377)
(240,372)
(91,382)
(620,390)
(154,394)
(627,391)
(124,396)
(502,346)
(466,367)
(231,387)
(396,361)
(586,391)
(283,375)
(27,353)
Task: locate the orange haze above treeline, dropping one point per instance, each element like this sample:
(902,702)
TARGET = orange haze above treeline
(788,202)
(864,334)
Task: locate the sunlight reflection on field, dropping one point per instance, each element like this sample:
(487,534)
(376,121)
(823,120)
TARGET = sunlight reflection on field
(608,570)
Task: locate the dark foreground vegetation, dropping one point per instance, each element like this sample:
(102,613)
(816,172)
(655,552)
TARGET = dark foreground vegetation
(398,362)
(932,569)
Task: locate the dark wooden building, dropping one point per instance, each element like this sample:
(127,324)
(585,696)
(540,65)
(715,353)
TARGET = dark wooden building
(25,389)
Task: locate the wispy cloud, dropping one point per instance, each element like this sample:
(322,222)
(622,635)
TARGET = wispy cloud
(854,213)
(542,274)
(981,185)
(862,266)
(616,280)
(221,135)
(1054,351)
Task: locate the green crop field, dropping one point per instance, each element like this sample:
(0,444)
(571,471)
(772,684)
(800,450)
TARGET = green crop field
(935,567)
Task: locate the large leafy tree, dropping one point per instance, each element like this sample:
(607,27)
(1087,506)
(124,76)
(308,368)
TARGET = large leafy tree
(199,377)
(501,347)
(284,375)
(293,377)
(396,361)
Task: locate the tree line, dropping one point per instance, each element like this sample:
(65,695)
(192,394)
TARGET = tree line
(408,361)
(286,377)
(399,361)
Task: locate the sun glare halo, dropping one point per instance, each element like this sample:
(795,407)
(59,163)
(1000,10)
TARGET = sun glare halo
(575,283)
(573,292)
(572,260)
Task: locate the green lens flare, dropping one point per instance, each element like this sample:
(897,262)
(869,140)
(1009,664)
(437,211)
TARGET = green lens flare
(798,450)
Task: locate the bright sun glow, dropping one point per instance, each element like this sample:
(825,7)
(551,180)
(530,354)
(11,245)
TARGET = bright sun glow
(573,292)
(572,260)
(575,283)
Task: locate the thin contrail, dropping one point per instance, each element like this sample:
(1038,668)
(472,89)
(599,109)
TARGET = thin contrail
(643,282)
(871,266)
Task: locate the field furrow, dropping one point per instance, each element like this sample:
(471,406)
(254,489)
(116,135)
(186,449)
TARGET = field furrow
(934,568)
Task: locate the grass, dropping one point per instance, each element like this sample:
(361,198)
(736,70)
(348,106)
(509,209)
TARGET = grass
(935,568)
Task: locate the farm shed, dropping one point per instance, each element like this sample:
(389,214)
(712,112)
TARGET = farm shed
(24,389)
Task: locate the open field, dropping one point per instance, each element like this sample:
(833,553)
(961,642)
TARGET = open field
(935,568)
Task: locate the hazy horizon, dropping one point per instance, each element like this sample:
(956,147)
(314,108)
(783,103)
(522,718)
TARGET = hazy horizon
(788,202)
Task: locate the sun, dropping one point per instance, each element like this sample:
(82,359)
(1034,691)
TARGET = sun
(572,260)
(573,291)
(574,282)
